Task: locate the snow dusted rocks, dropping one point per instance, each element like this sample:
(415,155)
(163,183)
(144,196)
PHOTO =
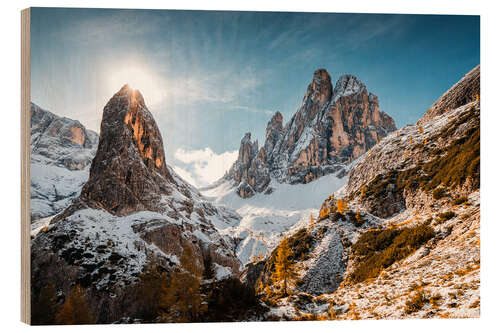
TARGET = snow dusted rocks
(133,209)
(332,127)
(61,152)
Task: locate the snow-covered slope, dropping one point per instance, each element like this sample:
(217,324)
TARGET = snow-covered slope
(61,153)
(266,218)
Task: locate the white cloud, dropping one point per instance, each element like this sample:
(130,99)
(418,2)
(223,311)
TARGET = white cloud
(202,167)
(184,174)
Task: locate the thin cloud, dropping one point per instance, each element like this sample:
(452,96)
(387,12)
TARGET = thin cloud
(253,110)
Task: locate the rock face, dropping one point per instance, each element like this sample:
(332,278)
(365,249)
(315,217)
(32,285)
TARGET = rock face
(463,92)
(61,152)
(133,209)
(128,172)
(332,127)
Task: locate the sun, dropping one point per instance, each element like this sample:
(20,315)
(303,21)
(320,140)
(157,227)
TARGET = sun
(137,76)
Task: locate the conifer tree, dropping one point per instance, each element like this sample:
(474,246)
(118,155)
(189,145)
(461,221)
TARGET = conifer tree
(76,310)
(324,212)
(180,300)
(153,279)
(284,270)
(341,206)
(358,218)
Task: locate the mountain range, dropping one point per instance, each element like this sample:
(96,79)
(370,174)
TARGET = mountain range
(379,222)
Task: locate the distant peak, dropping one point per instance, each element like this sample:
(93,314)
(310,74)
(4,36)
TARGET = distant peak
(246,138)
(277,116)
(347,84)
(321,75)
(320,88)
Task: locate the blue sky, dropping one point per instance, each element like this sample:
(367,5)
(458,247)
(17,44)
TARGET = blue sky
(208,77)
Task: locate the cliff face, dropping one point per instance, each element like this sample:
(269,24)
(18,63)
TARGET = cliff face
(332,127)
(132,210)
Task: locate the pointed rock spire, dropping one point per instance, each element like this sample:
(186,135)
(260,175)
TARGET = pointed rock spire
(128,172)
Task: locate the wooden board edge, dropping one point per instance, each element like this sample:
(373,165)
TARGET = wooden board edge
(25,166)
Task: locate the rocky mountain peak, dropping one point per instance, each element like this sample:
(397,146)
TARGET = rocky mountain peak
(128,172)
(321,86)
(347,85)
(275,124)
(325,134)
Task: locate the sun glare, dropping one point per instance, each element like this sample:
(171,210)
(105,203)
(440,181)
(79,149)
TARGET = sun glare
(138,77)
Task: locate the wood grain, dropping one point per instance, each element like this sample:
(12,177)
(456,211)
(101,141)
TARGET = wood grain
(25,166)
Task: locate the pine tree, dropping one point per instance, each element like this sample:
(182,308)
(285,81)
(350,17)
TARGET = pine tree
(76,310)
(284,270)
(324,212)
(180,300)
(358,218)
(363,190)
(153,279)
(341,206)
(43,311)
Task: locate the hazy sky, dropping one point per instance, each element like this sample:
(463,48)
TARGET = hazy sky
(208,77)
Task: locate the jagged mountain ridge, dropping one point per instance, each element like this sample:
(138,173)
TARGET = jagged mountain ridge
(133,209)
(332,127)
(62,150)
